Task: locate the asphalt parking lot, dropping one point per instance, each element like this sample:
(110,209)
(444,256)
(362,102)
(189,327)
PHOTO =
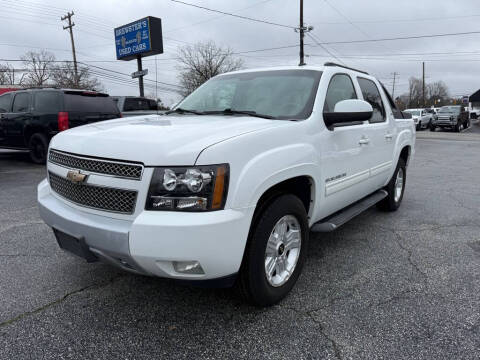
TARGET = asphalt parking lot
(402,285)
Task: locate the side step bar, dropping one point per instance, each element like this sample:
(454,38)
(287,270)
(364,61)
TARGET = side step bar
(336,220)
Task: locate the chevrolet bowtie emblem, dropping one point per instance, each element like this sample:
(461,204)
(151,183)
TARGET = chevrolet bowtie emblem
(76,176)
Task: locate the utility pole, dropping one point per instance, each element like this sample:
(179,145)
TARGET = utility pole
(302,29)
(423,83)
(70,28)
(393,87)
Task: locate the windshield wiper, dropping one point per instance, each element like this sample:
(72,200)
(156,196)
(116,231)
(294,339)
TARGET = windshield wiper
(184,111)
(240,112)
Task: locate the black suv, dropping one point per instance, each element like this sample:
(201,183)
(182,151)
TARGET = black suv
(30,118)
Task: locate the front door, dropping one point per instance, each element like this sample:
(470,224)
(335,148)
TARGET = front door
(14,122)
(344,152)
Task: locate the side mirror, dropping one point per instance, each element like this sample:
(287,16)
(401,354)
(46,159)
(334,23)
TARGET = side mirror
(348,111)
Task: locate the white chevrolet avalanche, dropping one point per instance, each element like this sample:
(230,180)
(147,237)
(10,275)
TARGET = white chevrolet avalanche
(226,188)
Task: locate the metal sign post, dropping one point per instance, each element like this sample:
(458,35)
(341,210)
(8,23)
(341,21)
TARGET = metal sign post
(140,78)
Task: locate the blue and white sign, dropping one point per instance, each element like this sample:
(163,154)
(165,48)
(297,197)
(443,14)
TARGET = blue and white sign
(139,38)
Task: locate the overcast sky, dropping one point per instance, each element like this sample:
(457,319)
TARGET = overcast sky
(31,25)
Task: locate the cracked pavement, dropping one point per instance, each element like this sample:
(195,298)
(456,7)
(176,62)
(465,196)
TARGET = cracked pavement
(402,285)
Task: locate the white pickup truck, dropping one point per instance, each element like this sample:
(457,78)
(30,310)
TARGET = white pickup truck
(225,189)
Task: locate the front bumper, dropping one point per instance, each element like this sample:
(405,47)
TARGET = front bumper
(153,240)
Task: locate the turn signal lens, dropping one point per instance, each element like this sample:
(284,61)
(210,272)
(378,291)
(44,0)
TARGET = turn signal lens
(219,189)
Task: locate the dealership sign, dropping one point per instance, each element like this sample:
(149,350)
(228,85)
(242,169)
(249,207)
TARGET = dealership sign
(139,39)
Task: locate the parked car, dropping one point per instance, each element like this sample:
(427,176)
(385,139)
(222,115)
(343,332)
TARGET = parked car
(451,117)
(30,118)
(421,117)
(135,105)
(225,188)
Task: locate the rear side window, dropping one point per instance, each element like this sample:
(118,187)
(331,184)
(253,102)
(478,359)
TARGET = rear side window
(340,88)
(5,103)
(135,104)
(90,104)
(47,102)
(21,102)
(372,95)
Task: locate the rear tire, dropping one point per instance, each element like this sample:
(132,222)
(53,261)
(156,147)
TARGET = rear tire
(38,145)
(268,249)
(395,192)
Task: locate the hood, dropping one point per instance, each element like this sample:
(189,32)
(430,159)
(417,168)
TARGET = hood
(156,140)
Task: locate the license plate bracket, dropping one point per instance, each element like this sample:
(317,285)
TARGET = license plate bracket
(74,245)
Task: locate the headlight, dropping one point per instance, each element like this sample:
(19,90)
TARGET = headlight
(196,188)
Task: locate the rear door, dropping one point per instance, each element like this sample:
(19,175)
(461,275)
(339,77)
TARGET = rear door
(380,132)
(5,108)
(14,122)
(89,107)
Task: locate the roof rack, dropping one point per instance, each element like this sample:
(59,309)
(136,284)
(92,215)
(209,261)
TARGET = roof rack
(345,67)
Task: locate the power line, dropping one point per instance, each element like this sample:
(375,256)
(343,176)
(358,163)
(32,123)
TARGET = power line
(324,48)
(401,38)
(234,15)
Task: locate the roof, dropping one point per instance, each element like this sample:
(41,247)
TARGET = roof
(475,97)
(321,68)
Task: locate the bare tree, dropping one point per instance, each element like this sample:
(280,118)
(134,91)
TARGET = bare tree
(437,93)
(202,61)
(63,75)
(38,66)
(8,75)
(414,92)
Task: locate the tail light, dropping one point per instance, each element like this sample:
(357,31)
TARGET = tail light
(62,121)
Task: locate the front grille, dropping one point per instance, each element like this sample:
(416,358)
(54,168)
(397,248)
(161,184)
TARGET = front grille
(119,169)
(97,197)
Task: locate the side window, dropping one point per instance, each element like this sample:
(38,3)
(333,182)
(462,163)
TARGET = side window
(397,114)
(372,95)
(340,88)
(47,102)
(21,103)
(5,103)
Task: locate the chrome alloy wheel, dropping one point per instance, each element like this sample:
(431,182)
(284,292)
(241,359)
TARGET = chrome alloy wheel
(399,185)
(283,250)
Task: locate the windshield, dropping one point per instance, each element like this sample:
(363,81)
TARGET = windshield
(413,112)
(281,94)
(449,109)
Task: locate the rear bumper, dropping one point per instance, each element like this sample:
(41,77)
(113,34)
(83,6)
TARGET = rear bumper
(154,240)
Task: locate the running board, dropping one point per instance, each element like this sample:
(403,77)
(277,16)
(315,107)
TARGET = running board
(336,220)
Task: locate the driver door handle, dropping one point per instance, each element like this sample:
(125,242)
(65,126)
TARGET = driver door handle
(364,141)
(389,136)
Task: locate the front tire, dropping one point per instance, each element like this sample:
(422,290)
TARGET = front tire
(275,252)
(38,145)
(395,188)
(419,126)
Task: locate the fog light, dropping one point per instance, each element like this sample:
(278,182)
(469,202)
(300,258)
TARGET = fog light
(188,267)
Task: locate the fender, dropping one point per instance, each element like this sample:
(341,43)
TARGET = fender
(404,138)
(257,164)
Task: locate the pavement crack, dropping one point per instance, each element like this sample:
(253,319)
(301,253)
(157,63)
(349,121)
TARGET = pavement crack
(24,255)
(309,314)
(398,239)
(57,301)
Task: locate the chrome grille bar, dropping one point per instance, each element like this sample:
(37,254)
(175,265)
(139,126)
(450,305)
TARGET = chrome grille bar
(104,167)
